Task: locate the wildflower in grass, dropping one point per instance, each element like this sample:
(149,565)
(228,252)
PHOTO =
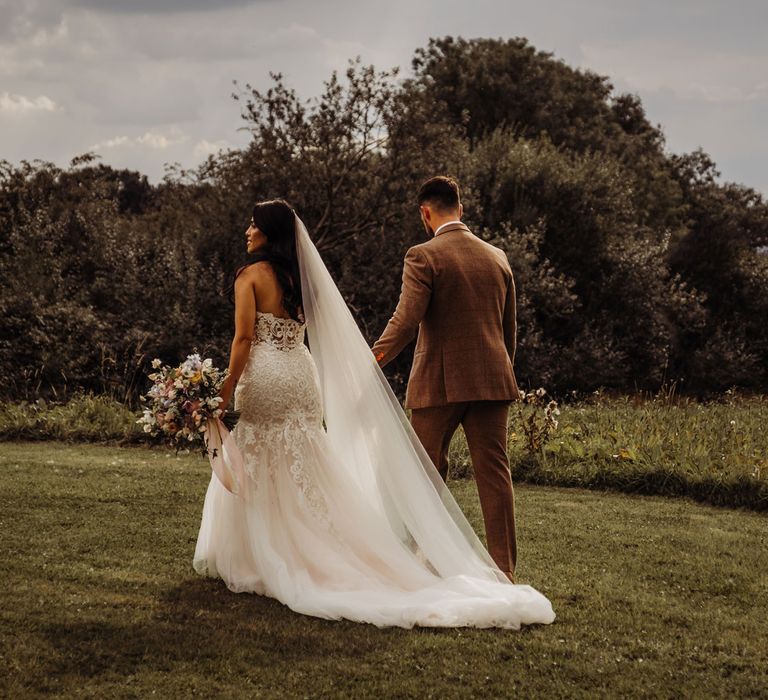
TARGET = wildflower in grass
(537,418)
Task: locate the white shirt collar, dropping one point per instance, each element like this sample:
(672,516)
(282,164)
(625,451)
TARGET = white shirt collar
(447,223)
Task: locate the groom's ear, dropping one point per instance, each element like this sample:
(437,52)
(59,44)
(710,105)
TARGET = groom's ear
(461,210)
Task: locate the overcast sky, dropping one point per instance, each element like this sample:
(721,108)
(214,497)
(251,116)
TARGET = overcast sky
(145,82)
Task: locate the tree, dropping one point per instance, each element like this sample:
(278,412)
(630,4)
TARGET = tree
(633,266)
(719,256)
(487,84)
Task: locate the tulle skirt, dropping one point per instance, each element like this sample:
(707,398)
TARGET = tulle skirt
(306,537)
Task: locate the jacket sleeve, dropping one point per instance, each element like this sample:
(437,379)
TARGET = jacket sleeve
(414,299)
(510,319)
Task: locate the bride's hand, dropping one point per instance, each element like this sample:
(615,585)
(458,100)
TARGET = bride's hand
(226,397)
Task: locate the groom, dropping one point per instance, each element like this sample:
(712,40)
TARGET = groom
(458,295)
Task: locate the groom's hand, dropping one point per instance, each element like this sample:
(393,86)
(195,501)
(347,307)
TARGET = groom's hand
(378,355)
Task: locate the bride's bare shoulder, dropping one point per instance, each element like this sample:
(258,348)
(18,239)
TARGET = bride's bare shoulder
(256,272)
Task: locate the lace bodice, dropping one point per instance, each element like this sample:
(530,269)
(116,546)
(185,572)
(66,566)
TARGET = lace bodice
(282,333)
(280,408)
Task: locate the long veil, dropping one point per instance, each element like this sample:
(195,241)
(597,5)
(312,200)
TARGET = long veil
(372,438)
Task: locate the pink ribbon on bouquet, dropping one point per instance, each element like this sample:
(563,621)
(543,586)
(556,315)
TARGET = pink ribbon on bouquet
(226,461)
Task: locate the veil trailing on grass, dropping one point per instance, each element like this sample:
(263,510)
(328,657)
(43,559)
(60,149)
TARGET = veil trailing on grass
(372,438)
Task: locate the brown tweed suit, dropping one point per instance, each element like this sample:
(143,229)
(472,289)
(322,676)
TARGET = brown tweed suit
(458,295)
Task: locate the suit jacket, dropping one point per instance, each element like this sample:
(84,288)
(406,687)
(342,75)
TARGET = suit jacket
(458,295)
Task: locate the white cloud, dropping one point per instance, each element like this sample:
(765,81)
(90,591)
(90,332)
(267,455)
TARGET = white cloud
(687,71)
(339,52)
(111,143)
(205,148)
(19,104)
(154,140)
(150,139)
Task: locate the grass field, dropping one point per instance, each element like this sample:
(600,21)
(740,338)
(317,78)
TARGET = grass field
(655,597)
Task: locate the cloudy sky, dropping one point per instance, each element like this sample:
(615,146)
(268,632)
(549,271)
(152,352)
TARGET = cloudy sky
(146,82)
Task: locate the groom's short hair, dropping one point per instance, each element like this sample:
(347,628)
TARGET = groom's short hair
(440,192)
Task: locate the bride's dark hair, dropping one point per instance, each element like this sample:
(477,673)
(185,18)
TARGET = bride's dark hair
(276,219)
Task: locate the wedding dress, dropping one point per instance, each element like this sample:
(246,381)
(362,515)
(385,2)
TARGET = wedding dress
(340,513)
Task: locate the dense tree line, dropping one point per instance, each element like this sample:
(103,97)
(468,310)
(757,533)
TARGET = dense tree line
(634,266)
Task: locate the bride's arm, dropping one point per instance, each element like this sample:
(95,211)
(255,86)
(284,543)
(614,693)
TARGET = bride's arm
(245,318)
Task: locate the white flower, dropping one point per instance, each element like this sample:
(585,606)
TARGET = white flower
(541,391)
(156,363)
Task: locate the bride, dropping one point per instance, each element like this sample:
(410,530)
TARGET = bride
(340,513)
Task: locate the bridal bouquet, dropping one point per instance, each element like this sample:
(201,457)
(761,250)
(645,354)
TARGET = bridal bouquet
(183,403)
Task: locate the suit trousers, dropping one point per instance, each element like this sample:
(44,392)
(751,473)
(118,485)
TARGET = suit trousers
(485,425)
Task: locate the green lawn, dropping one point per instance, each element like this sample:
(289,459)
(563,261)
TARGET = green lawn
(655,597)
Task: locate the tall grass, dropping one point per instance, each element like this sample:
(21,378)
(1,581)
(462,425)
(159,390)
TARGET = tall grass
(715,452)
(84,417)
